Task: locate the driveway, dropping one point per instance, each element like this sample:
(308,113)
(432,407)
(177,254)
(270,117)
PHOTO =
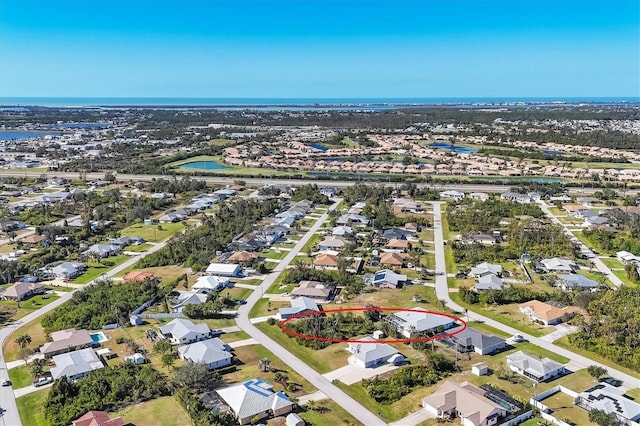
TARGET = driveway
(354,373)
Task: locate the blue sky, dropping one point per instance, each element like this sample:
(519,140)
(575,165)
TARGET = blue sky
(328,48)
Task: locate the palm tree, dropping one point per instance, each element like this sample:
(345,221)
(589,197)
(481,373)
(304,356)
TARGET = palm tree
(37,367)
(23,340)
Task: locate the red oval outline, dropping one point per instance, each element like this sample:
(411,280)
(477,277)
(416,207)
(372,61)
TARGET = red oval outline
(328,339)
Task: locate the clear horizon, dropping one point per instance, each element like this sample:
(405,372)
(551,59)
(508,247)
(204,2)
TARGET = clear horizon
(274,49)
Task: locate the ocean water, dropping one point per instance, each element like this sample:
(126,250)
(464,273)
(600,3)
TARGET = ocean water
(292,102)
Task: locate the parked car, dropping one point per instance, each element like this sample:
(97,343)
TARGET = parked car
(6,382)
(611,381)
(241,302)
(43,380)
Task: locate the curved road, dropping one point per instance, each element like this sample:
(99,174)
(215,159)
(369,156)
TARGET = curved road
(442,292)
(336,394)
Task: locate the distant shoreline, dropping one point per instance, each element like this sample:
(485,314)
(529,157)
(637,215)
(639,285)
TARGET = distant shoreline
(307,103)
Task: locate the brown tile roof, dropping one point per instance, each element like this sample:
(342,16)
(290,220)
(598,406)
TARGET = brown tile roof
(34,239)
(139,276)
(393,259)
(326,260)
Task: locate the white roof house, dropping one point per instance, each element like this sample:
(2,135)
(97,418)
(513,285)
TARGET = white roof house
(253,398)
(610,400)
(76,364)
(214,353)
(223,269)
(210,283)
(570,281)
(184,331)
(533,367)
(486,268)
(369,355)
(450,193)
(489,282)
(557,264)
(386,278)
(299,305)
(418,321)
(626,257)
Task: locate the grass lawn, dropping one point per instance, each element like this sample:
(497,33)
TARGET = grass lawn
(564,343)
(530,348)
(236,293)
(31,408)
(330,414)
(270,266)
(27,306)
(634,393)
(564,408)
(97,269)
(139,248)
(312,243)
(488,329)
(393,298)
(274,254)
(623,276)
(323,360)
(10,348)
(248,368)
(234,337)
(163,411)
(152,232)
(250,281)
(167,273)
(452,268)
(64,288)
(612,262)
(265,307)
(20,376)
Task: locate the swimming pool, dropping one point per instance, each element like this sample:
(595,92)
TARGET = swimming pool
(98,337)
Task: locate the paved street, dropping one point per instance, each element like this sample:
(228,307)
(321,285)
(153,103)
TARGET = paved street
(599,264)
(442,291)
(7,394)
(316,379)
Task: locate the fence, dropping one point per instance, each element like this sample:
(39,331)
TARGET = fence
(544,409)
(165,315)
(517,420)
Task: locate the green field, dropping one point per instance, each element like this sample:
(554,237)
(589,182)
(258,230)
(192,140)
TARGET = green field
(27,306)
(31,408)
(153,233)
(20,376)
(95,271)
(163,411)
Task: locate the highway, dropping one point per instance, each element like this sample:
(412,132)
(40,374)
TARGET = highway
(442,292)
(463,187)
(11,416)
(345,401)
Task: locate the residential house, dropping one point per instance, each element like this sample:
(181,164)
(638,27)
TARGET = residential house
(224,269)
(543,312)
(357,208)
(489,282)
(223,194)
(520,198)
(66,270)
(625,257)
(557,264)
(104,250)
(20,291)
(535,368)
(127,241)
(485,268)
(76,364)
(466,401)
(407,205)
(471,340)
(396,234)
(352,219)
(610,399)
(97,418)
(481,196)
(386,278)
(172,217)
(392,259)
(243,256)
(255,399)
(564,198)
(326,261)
(371,355)
(299,305)
(329,192)
(332,243)
(417,320)
(186,298)
(479,237)
(210,283)
(180,331)
(34,239)
(66,340)
(342,231)
(213,353)
(401,245)
(596,220)
(453,194)
(569,282)
(314,290)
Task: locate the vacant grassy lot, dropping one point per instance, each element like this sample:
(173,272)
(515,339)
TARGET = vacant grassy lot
(31,408)
(153,233)
(163,411)
(10,348)
(139,248)
(27,306)
(328,413)
(323,361)
(95,269)
(274,253)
